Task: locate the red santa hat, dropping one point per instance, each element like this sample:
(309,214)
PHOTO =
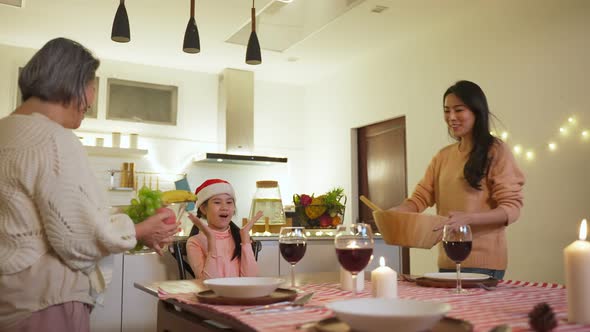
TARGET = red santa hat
(211,188)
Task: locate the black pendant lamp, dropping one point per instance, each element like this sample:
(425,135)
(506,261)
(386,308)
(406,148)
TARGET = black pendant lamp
(253,55)
(192,43)
(120,31)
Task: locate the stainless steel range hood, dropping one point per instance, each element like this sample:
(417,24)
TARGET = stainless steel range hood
(236,122)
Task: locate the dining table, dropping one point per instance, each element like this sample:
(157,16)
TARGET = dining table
(504,307)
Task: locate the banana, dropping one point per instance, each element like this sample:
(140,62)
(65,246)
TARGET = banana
(176,196)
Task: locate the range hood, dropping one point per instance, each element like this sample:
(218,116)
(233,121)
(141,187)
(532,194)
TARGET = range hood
(236,122)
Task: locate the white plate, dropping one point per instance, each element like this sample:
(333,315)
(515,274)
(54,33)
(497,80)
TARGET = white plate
(378,314)
(453,276)
(243,287)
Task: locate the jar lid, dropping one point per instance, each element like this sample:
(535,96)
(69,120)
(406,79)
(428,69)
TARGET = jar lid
(267,184)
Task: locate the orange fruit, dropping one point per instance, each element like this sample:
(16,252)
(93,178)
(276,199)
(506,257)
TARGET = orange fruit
(336,221)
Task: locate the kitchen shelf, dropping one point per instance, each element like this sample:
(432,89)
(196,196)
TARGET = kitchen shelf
(114,152)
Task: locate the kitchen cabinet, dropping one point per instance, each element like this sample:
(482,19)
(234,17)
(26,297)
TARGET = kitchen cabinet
(126,309)
(139,310)
(107,318)
(268,258)
(320,256)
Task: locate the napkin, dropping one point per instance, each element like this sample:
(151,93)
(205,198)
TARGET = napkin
(408,229)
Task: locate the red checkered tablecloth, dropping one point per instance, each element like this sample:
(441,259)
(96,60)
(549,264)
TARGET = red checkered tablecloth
(508,304)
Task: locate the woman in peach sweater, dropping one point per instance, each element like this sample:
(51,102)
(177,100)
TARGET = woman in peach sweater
(475,182)
(221,248)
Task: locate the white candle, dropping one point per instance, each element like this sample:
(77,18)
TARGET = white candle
(577,276)
(384,281)
(346,280)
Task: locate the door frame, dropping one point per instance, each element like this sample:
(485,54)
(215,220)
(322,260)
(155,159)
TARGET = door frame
(355,206)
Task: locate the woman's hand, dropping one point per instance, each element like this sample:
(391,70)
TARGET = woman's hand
(154,233)
(456,220)
(497,217)
(245,231)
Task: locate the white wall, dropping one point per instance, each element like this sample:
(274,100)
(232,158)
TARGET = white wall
(531,58)
(172,148)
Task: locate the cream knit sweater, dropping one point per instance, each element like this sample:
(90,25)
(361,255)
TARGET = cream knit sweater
(51,204)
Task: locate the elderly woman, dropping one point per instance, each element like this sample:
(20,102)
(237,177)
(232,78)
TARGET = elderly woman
(54,222)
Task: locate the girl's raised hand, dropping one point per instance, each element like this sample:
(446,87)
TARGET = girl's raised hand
(245,231)
(201,226)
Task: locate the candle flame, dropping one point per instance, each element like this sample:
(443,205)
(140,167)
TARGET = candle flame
(583,230)
(382,261)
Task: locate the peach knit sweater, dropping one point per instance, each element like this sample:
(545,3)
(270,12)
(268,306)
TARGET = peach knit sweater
(220,265)
(444,185)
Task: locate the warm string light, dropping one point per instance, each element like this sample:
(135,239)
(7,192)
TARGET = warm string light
(569,128)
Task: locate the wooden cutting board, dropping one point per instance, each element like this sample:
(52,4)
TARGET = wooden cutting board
(440,283)
(446,324)
(280,294)
(407,229)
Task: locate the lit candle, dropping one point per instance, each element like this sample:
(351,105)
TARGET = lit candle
(384,281)
(577,276)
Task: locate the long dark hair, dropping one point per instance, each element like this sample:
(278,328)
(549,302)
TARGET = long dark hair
(233,228)
(474,98)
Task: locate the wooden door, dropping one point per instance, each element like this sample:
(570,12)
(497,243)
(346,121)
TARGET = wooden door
(382,169)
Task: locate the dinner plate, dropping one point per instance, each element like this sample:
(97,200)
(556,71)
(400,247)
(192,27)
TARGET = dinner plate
(243,287)
(453,276)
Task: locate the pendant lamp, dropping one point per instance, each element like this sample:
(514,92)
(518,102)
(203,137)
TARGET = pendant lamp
(253,55)
(120,31)
(192,43)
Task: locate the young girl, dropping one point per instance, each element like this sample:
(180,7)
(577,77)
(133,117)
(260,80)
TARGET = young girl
(221,248)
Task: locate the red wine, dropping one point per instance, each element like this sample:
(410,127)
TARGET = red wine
(292,252)
(457,251)
(354,260)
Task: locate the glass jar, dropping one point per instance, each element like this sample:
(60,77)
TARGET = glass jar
(267,199)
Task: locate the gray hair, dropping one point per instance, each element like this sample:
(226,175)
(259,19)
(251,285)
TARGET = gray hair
(59,72)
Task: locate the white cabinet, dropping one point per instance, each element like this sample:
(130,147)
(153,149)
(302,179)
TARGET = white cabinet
(320,256)
(268,259)
(107,318)
(139,312)
(127,309)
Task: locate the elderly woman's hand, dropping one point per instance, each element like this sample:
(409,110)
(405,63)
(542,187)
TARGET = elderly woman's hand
(154,233)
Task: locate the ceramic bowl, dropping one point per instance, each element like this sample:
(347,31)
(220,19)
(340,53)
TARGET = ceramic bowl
(376,315)
(243,287)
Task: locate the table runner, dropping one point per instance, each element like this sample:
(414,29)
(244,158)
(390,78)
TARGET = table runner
(509,303)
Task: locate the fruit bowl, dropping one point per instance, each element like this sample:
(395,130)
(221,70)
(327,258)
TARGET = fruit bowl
(323,211)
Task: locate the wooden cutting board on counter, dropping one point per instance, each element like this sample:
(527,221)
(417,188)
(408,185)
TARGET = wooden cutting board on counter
(407,229)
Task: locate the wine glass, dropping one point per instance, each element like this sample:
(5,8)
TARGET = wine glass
(292,244)
(457,243)
(354,247)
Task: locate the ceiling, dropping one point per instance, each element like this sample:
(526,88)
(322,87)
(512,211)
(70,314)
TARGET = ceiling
(331,33)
